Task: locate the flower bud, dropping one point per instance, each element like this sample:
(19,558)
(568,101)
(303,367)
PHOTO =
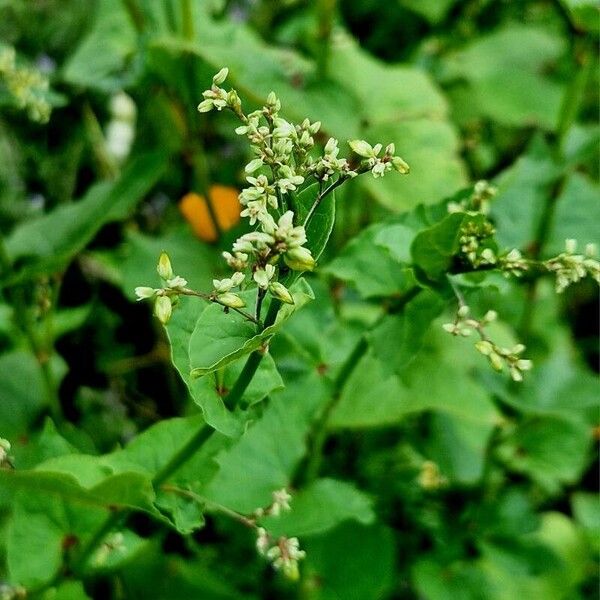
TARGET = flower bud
(390,149)
(299,259)
(463,311)
(231,300)
(524,364)
(362,148)
(143,292)
(163,309)
(165,271)
(571,246)
(254,165)
(496,361)
(221,76)
(205,106)
(484,347)
(279,291)
(400,165)
(490,316)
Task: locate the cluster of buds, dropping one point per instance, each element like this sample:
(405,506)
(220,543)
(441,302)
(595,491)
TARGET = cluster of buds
(498,357)
(280,504)
(284,553)
(569,267)
(513,263)
(166,296)
(115,542)
(473,237)
(120,130)
(283,160)
(376,164)
(478,202)
(26,85)
(5,459)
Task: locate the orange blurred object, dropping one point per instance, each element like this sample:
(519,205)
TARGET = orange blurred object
(226,207)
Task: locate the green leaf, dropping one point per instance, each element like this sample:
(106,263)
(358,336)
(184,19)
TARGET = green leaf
(551,450)
(41,527)
(48,243)
(102,60)
(433,249)
(370,268)
(398,338)
(219,339)
(505,71)
(352,561)
(321,224)
(438,379)
(319,508)
(433,10)
(576,216)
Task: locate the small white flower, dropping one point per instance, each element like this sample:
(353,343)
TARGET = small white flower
(163,309)
(254,165)
(362,148)
(221,76)
(164,269)
(143,292)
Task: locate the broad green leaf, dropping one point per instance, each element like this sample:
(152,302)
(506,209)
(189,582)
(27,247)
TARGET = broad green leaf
(41,527)
(265,457)
(438,379)
(370,268)
(551,450)
(49,242)
(433,249)
(399,337)
(105,55)
(505,71)
(218,338)
(321,224)
(576,216)
(23,394)
(319,508)
(352,561)
(522,193)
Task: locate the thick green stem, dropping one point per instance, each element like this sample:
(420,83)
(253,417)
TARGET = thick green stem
(253,362)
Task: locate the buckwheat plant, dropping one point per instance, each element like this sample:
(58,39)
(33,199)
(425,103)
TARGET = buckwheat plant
(285,159)
(477,250)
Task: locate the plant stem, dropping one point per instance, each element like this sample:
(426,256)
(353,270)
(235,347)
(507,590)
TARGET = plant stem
(187,20)
(210,298)
(242,382)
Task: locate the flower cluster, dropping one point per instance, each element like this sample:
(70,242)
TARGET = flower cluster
(474,240)
(477,202)
(26,85)
(281,503)
(569,266)
(167,295)
(498,357)
(283,159)
(284,553)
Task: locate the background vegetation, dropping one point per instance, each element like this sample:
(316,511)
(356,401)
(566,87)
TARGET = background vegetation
(432,478)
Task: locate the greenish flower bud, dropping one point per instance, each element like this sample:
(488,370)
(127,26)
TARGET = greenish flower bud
(496,361)
(254,165)
(205,106)
(362,148)
(400,165)
(299,259)
(231,300)
(279,291)
(463,311)
(484,347)
(165,271)
(163,309)
(221,76)
(143,292)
